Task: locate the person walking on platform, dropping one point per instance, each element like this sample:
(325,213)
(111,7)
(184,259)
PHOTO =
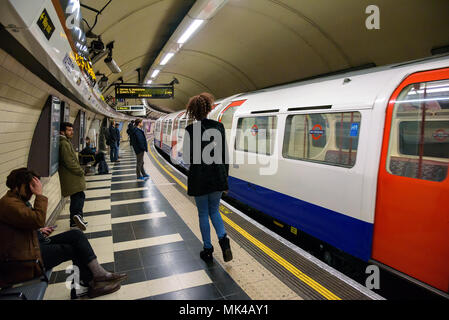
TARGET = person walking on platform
(129,131)
(23,238)
(114,141)
(118,137)
(71,177)
(140,146)
(207,180)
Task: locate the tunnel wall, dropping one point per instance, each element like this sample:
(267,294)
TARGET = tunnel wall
(22,98)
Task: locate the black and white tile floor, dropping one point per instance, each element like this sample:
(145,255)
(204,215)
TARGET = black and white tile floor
(134,229)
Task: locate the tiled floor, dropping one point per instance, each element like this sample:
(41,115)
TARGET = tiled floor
(134,229)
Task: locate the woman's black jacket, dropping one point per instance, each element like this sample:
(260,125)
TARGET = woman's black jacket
(206,178)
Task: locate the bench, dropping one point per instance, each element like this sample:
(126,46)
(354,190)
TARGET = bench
(30,290)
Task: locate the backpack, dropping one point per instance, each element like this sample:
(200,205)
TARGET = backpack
(103,167)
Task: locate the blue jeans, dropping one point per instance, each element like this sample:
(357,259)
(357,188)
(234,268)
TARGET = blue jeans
(114,151)
(208,205)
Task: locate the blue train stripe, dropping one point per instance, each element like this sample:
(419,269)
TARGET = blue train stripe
(343,232)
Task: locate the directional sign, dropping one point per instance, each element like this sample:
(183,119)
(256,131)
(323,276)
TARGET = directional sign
(125,91)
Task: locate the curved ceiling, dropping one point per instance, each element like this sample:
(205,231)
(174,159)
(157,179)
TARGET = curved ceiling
(252,44)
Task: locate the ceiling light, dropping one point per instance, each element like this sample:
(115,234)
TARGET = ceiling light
(190,30)
(167,58)
(155,73)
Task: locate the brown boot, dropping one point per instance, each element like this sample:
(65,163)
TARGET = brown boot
(103,288)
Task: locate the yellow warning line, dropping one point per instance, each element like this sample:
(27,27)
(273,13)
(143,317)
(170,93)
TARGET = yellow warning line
(287,265)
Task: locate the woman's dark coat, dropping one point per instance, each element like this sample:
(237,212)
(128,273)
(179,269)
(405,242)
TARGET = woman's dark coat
(206,178)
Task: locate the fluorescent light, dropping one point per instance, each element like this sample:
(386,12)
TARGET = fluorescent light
(155,73)
(167,58)
(188,33)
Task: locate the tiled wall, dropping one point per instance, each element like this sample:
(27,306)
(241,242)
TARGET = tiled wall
(22,98)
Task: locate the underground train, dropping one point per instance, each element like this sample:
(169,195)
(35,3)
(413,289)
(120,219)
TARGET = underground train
(358,161)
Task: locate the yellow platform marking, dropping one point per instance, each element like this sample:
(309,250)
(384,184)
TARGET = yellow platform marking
(287,265)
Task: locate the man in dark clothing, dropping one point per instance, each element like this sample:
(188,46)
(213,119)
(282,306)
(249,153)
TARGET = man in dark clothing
(140,146)
(114,141)
(130,132)
(86,152)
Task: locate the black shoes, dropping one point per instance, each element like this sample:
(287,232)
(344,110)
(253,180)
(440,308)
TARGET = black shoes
(78,222)
(206,254)
(226,249)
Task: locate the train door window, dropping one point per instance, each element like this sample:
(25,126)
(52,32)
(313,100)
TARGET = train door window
(228,114)
(256,135)
(170,124)
(310,138)
(182,125)
(227,117)
(419,138)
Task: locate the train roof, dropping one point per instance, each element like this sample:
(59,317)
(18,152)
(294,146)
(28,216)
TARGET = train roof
(359,92)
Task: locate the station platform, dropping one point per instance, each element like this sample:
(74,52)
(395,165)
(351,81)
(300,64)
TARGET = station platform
(150,231)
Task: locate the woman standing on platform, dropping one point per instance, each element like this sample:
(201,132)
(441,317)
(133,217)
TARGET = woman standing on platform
(204,149)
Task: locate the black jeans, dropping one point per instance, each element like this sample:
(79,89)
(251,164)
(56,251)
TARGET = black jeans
(76,205)
(71,245)
(140,171)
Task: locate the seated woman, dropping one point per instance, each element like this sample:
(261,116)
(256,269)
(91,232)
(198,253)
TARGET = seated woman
(20,225)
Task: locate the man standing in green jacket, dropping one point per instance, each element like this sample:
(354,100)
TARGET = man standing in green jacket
(71,177)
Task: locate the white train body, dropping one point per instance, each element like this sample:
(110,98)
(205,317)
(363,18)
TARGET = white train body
(333,201)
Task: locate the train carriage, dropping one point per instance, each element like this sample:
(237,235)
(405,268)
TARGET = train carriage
(358,161)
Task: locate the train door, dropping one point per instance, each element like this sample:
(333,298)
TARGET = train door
(162,133)
(411,230)
(174,136)
(227,116)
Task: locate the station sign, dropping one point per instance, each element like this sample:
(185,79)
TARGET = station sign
(126,91)
(45,24)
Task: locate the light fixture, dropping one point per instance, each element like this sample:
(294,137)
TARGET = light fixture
(167,58)
(190,30)
(155,73)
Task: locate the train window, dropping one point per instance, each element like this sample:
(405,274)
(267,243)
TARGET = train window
(170,124)
(227,117)
(330,138)
(182,125)
(419,136)
(256,135)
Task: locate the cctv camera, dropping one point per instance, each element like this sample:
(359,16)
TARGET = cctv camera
(112,65)
(103,82)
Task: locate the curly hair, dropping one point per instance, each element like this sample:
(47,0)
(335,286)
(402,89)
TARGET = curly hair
(199,106)
(20,176)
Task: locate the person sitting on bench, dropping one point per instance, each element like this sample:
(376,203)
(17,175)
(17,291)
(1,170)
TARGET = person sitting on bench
(20,225)
(88,154)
